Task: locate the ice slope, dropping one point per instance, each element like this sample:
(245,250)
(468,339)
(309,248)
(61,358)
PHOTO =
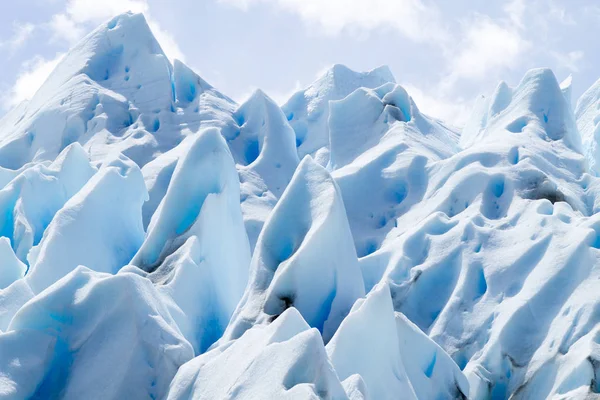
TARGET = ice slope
(161,241)
(587,114)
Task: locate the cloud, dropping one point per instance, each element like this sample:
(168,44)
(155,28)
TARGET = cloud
(80,16)
(82,11)
(33,75)
(64,28)
(515,9)
(453,111)
(413,18)
(570,60)
(486,46)
(21,32)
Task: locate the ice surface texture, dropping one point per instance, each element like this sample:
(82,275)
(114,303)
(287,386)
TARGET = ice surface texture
(160,241)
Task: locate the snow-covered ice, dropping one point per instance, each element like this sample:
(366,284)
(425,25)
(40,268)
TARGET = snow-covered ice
(161,241)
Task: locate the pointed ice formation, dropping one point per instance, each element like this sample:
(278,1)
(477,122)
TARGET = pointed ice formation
(285,359)
(203,200)
(265,151)
(307,236)
(206,182)
(265,141)
(308,110)
(100,227)
(113,325)
(394,356)
(537,107)
(377,359)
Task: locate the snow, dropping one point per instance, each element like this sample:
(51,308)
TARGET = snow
(159,240)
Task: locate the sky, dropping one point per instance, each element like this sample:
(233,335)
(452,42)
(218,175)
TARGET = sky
(445,52)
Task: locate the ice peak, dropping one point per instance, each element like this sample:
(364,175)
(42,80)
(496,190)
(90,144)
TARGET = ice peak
(264,132)
(307,233)
(535,106)
(341,74)
(308,109)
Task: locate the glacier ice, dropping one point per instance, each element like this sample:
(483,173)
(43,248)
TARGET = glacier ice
(161,241)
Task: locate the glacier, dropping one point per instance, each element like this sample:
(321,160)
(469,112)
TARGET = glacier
(158,240)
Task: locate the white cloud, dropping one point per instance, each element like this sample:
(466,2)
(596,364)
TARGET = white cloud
(486,46)
(515,9)
(80,16)
(21,32)
(281,97)
(413,18)
(570,60)
(35,72)
(453,111)
(166,40)
(64,28)
(82,11)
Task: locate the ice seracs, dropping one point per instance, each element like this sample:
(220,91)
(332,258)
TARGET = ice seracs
(264,149)
(159,240)
(203,202)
